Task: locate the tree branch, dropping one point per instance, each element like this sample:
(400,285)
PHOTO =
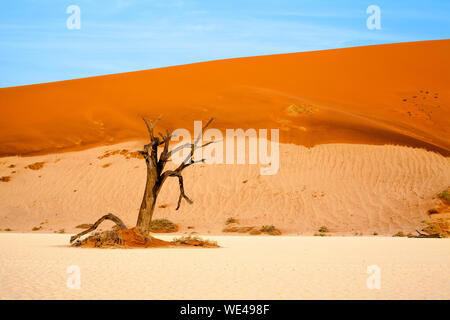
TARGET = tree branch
(108,216)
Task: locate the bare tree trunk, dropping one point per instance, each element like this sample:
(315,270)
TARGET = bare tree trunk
(152,187)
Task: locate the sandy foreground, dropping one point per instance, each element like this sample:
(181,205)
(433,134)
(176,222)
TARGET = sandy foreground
(34,266)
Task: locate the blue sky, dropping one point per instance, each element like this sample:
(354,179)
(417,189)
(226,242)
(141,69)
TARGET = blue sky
(129,35)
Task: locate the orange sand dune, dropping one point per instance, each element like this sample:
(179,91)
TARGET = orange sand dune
(397,93)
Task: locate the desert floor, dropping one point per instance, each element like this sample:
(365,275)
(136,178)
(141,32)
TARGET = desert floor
(34,266)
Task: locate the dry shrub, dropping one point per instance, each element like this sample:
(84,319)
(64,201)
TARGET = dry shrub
(123,238)
(444,195)
(271,230)
(163,226)
(255,232)
(230,229)
(35,166)
(5,179)
(438,226)
(320,234)
(231,220)
(194,241)
(244,229)
(124,152)
(399,234)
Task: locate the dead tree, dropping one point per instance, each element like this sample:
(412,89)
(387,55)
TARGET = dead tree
(156,176)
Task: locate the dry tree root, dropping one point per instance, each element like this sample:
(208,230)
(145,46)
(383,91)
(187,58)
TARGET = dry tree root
(119,237)
(423,235)
(108,216)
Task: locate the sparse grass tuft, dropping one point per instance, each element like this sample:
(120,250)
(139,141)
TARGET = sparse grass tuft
(35,166)
(162,226)
(294,110)
(444,195)
(36,228)
(255,232)
(399,234)
(323,229)
(230,229)
(231,220)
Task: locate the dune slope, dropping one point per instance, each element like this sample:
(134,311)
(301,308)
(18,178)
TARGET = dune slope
(397,94)
(348,188)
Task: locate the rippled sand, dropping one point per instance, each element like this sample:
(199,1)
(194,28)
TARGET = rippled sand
(34,266)
(348,188)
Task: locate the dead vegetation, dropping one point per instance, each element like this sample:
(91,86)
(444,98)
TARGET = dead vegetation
(84,226)
(35,166)
(266,229)
(439,219)
(163,226)
(270,230)
(231,220)
(194,241)
(124,152)
(5,179)
(139,236)
(133,238)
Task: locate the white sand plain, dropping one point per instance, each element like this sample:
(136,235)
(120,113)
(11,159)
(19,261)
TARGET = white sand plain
(34,266)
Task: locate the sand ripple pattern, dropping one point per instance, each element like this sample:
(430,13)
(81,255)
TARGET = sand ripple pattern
(348,188)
